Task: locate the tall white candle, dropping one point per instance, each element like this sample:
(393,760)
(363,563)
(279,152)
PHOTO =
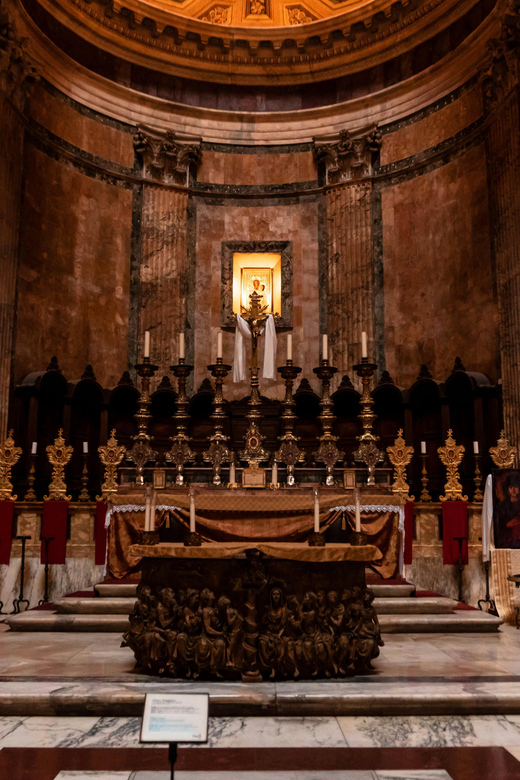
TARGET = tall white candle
(146,352)
(325,347)
(181,346)
(364,349)
(219,344)
(358,513)
(423,448)
(152,511)
(232,479)
(85,448)
(475,447)
(147,513)
(289,346)
(34,447)
(274,473)
(192,513)
(316,513)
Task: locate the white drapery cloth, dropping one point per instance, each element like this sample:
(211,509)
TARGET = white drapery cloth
(243,332)
(487,518)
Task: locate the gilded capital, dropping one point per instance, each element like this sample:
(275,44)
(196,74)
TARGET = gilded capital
(350,158)
(17,73)
(501,74)
(165,158)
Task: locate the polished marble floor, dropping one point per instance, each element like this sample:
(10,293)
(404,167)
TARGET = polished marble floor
(300,775)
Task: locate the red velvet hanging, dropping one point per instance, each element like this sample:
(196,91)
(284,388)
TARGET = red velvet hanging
(408,531)
(6,530)
(100,534)
(454,523)
(54,523)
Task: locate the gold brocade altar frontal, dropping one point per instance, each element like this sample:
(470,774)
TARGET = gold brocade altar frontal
(285,551)
(257,516)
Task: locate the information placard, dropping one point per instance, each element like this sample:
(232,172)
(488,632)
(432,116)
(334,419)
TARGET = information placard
(175,717)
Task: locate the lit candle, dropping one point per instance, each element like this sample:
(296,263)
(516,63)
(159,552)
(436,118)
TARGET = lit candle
(232,479)
(325,347)
(289,346)
(146,352)
(316,513)
(219,344)
(423,448)
(85,448)
(34,447)
(152,512)
(364,350)
(358,513)
(181,346)
(192,513)
(475,448)
(274,473)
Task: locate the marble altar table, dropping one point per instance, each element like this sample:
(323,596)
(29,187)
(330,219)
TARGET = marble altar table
(255,610)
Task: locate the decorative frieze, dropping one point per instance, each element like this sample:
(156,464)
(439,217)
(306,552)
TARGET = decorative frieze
(351,158)
(165,158)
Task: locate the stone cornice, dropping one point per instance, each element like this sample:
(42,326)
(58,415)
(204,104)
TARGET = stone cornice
(355,40)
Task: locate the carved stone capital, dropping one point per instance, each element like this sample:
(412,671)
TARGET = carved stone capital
(17,73)
(501,75)
(350,158)
(165,159)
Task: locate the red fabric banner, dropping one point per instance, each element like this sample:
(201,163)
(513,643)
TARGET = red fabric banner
(100,534)
(6,530)
(54,523)
(408,531)
(454,523)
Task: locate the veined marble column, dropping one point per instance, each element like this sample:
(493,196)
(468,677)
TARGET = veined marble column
(163,274)
(17,77)
(348,167)
(501,94)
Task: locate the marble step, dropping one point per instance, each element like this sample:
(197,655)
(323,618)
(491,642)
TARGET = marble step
(460,621)
(95,606)
(123,606)
(124,590)
(350,697)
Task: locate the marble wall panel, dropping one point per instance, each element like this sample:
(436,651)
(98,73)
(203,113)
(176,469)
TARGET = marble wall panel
(438,280)
(163,273)
(74,274)
(435,127)
(94,136)
(295,222)
(256,169)
(10,201)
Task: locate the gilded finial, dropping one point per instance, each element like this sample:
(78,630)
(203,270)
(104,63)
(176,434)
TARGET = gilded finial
(9,455)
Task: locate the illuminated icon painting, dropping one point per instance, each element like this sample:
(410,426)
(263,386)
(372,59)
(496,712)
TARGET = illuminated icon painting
(259,280)
(259,272)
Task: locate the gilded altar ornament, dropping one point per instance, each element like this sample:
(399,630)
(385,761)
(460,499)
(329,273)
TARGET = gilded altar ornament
(289,452)
(9,456)
(59,455)
(503,455)
(218,452)
(368,451)
(180,452)
(110,455)
(142,452)
(328,453)
(400,455)
(451,456)
(478,495)
(255,317)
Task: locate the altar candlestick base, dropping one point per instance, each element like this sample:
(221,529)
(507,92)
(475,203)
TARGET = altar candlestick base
(316,540)
(192,539)
(358,538)
(149,538)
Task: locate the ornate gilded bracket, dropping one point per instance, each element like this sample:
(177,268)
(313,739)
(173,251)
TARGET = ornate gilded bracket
(59,455)
(9,455)
(400,455)
(503,455)
(451,456)
(110,456)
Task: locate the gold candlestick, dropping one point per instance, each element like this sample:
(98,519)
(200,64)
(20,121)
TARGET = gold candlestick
(110,455)
(84,495)
(255,317)
(30,494)
(218,452)
(142,452)
(9,456)
(367,452)
(478,495)
(180,451)
(425,496)
(328,452)
(289,452)
(59,455)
